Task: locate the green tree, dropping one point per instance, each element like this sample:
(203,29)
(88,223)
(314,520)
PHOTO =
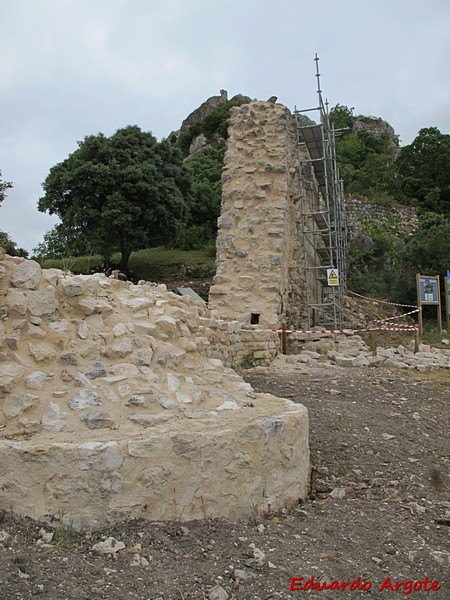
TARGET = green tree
(426,252)
(205,168)
(60,242)
(121,193)
(341,116)
(11,247)
(4,185)
(424,170)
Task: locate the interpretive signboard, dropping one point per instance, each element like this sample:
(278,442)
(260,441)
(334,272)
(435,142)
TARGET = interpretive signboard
(428,292)
(447,300)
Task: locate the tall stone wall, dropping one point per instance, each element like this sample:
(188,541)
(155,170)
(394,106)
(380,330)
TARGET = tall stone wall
(260,275)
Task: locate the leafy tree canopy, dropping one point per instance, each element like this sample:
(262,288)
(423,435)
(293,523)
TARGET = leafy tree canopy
(341,116)
(205,168)
(424,170)
(4,185)
(121,193)
(61,242)
(11,247)
(366,161)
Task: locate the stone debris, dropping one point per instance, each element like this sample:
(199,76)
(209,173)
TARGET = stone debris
(352,351)
(217,593)
(4,536)
(109,546)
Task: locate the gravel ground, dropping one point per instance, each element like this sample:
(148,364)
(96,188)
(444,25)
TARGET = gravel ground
(379,511)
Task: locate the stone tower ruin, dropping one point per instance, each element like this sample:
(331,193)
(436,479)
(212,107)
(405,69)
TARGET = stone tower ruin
(281,225)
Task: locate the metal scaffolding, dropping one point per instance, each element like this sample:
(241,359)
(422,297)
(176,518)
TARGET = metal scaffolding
(323,223)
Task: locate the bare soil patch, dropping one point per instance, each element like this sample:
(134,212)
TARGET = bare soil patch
(379,508)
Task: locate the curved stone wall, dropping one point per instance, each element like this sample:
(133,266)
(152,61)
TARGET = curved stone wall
(110,407)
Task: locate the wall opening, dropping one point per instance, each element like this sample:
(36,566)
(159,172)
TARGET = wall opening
(254,319)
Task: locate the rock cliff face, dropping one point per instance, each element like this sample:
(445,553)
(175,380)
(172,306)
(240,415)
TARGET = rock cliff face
(377,127)
(110,407)
(204,110)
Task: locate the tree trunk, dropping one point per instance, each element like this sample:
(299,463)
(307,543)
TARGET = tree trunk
(125,256)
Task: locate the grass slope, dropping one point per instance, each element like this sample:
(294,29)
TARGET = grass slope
(150,264)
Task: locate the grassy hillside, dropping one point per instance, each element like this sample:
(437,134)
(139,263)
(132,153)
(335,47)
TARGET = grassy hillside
(151,264)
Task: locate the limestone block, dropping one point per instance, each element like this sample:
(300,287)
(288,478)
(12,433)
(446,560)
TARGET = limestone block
(97,419)
(119,350)
(343,361)
(36,331)
(16,300)
(82,330)
(15,404)
(246,281)
(167,324)
(61,327)
(93,305)
(99,456)
(84,399)
(41,352)
(136,304)
(126,369)
(72,286)
(96,370)
(150,419)
(168,354)
(110,546)
(10,374)
(53,418)
(145,328)
(52,276)
(35,380)
(27,274)
(173,383)
(13,339)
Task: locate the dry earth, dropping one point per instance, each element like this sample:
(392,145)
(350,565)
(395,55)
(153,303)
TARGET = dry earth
(379,508)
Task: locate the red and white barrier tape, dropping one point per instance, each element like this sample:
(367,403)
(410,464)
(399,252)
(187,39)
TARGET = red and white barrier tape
(337,331)
(396,317)
(381,301)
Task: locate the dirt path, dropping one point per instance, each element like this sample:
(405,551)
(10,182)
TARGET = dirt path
(379,509)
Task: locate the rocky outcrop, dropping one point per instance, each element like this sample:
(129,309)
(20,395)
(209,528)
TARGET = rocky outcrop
(204,110)
(114,403)
(378,128)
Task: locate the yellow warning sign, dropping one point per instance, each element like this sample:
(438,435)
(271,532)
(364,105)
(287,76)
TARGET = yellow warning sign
(332,277)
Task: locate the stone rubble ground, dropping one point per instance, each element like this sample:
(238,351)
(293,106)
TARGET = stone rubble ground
(379,507)
(352,351)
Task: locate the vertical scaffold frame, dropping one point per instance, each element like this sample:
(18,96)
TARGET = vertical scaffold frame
(323,223)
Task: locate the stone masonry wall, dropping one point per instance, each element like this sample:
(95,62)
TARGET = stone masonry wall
(114,404)
(260,262)
(405,218)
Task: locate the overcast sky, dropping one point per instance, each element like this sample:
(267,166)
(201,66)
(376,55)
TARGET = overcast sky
(71,68)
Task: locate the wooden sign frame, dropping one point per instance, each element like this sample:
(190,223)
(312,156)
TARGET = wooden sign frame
(428,293)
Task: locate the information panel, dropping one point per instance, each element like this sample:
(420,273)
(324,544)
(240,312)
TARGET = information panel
(429,290)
